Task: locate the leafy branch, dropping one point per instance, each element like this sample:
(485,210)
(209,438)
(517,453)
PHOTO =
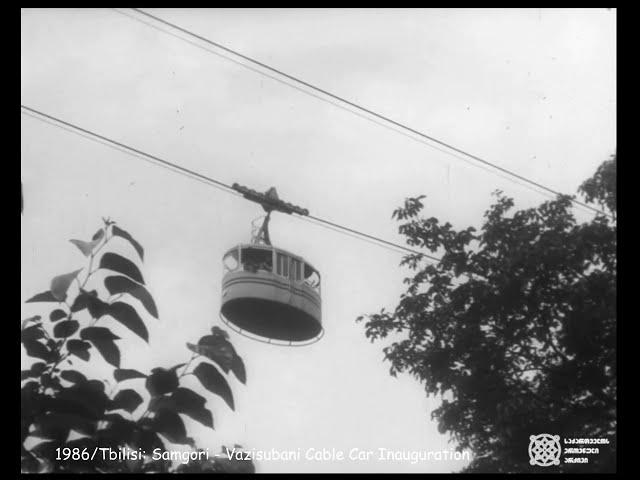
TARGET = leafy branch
(58,401)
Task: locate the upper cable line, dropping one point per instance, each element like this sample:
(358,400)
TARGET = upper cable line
(234,189)
(510,175)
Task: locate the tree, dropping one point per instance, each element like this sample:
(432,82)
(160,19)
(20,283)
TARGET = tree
(515,326)
(66,416)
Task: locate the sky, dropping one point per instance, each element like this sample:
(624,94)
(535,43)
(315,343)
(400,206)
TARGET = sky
(531,90)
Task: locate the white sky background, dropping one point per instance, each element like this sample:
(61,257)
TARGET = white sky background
(531,90)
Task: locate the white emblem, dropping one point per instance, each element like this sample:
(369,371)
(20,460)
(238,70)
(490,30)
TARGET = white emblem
(544,450)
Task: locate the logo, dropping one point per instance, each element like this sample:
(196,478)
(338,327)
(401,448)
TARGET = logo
(544,450)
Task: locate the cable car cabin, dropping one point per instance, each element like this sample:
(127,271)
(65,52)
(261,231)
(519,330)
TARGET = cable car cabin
(271,293)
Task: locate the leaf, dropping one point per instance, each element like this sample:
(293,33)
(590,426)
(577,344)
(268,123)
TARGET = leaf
(190,403)
(163,401)
(117,263)
(49,428)
(216,347)
(122,374)
(208,352)
(98,235)
(121,233)
(61,283)
(27,321)
(128,400)
(73,376)
(97,308)
(127,315)
(218,332)
(168,423)
(186,401)
(57,314)
(89,300)
(30,399)
(81,301)
(161,381)
(79,348)
(213,381)
(34,332)
(203,416)
(238,369)
(118,430)
(87,399)
(57,425)
(38,368)
(103,339)
(146,440)
(185,398)
(86,247)
(35,371)
(65,328)
(38,350)
(43,297)
(89,333)
(46,449)
(116,285)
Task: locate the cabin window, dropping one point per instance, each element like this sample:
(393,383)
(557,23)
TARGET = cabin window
(296,269)
(282,266)
(312,277)
(257,260)
(230,261)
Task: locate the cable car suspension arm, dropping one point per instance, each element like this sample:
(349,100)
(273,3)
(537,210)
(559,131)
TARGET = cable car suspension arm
(270,202)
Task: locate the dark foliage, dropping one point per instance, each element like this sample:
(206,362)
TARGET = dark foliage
(515,327)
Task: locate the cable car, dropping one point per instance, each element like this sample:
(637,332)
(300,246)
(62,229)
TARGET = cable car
(270,294)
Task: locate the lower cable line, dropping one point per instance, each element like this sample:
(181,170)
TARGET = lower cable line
(155,160)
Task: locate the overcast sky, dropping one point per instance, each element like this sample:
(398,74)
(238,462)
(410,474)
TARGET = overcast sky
(530,90)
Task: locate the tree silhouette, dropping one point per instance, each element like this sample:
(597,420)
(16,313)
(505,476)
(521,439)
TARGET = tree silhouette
(66,418)
(515,327)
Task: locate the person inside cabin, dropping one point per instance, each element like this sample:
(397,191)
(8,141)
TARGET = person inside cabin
(264,266)
(250,266)
(255,262)
(312,278)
